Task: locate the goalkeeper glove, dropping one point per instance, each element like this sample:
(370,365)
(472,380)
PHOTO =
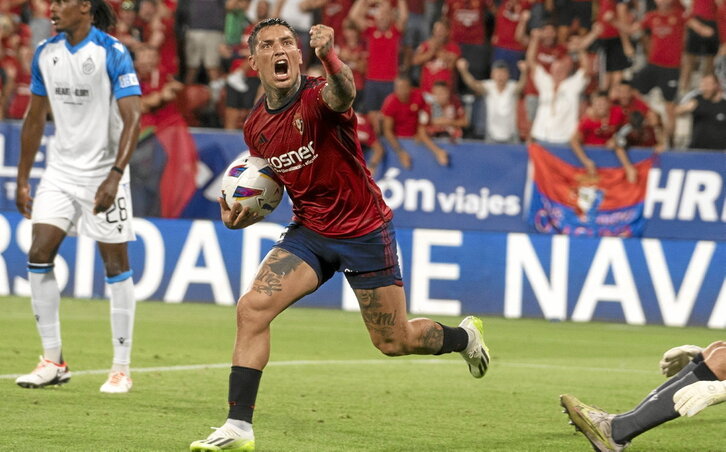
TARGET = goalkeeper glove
(699,395)
(676,358)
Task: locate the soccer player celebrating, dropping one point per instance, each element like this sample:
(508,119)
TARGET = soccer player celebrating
(341,223)
(698,381)
(86,79)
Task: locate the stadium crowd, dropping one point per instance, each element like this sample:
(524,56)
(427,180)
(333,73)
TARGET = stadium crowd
(563,71)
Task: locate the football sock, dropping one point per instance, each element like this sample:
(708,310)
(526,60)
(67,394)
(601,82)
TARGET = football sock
(686,369)
(455,339)
(243,385)
(123,307)
(45,300)
(658,407)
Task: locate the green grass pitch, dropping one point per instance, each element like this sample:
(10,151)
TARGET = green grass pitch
(328,389)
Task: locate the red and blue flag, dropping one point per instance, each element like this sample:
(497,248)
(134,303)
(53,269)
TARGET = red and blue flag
(566,200)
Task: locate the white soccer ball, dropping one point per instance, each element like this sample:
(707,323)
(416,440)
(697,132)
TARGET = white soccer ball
(252,182)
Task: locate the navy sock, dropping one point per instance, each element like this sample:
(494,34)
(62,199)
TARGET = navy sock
(243,385)
(455,339)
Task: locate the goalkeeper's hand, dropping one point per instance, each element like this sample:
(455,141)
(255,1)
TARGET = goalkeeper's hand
(676,358)
(690,400)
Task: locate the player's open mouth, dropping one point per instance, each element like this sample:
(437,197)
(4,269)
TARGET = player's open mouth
(280,68)
(54,21)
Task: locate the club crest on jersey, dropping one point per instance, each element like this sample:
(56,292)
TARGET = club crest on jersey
(298,123)
(88,66)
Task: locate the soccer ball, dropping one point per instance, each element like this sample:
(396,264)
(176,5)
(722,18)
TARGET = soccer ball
(252,182)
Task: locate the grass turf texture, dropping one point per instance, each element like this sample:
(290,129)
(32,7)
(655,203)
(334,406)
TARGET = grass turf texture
(368,403)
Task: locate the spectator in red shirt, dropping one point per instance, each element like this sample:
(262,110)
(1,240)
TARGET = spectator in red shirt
(505,45)
(159,90)
(444,115)
(158,32)
(467,21)
(353,53)
(700,46)
(437,57)
(614,18)
(596,128)
(667,28)
(369,142)
(402,117)
(417,30)
(332,12)
(17,91)
(626,99)
(382,36)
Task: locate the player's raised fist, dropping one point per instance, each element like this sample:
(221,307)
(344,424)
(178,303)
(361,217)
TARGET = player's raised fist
(321,39)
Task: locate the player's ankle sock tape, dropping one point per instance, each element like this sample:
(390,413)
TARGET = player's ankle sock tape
(455,339)
(243,385)
(40,268)
(703,373)
(697,359)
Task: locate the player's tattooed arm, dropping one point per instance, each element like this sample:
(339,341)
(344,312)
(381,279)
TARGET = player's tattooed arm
(339,93)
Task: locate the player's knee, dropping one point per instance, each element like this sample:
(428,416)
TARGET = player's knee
(716,361)
(713,346)
(39,255)
(250,313)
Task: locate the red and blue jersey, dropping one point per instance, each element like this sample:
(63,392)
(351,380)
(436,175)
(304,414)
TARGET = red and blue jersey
(316,153)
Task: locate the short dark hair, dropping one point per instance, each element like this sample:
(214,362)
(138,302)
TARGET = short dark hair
(252,41)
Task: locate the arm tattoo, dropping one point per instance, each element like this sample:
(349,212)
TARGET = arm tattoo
(340,92)
(277,265)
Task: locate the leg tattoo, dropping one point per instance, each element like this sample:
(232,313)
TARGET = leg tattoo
(276,266)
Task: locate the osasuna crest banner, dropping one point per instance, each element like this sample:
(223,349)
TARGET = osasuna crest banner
(567,200)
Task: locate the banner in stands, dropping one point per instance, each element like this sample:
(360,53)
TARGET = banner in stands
(446,271)
(486,187)
(568,200)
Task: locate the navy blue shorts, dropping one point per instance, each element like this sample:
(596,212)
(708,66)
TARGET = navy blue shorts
(374,95)
(368,262)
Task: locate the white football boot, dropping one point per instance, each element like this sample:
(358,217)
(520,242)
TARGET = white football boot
(46,373)
(476,353)
(227,437)
(117,383)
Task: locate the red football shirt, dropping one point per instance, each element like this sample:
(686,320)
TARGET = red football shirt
(722,22)
(667,31)
(334,13)
(599,131)
(466,18)
(505,28)
(438,68)
(545,57)
(636,104)
(315,152)
(383,47)
(605,16)
(704,9)
(405,114)
(366,135)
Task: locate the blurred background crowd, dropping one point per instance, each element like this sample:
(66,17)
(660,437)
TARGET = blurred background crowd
(605,72)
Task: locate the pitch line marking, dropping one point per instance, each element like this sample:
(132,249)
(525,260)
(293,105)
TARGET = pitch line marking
(352,362)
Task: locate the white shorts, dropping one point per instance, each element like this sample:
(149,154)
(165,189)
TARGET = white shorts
(70,208)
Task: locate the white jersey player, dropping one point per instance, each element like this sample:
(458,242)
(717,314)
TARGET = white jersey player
(86,79)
